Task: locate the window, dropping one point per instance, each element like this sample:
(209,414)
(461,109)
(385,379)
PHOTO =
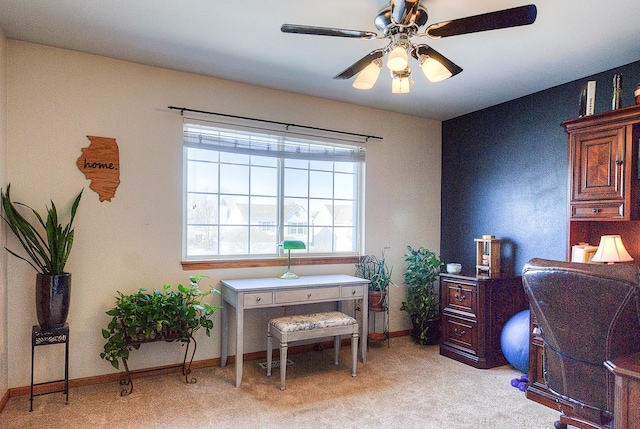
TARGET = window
(247,189)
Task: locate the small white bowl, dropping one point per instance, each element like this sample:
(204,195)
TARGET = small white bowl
(454,268)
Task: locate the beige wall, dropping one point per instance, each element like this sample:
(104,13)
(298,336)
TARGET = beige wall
(3,255)
(58,97)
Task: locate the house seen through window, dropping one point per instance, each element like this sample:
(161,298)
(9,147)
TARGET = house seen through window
(248,189)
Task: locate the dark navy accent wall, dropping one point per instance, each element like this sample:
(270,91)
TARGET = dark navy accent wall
(505,172)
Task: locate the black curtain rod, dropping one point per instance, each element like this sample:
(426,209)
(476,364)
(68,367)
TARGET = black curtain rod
(184,109)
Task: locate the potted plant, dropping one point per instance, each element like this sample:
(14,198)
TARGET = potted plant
(167,315)
(47,245)
(379,275)
(422,302)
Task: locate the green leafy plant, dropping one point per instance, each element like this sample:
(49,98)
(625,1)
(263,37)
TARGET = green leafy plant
(376,271)
(166,315)
(46,253)
(422,303)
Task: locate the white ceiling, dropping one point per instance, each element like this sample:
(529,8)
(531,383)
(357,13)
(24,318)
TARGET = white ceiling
(241,41)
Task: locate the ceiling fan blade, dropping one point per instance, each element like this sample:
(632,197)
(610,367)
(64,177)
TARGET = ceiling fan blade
(522,15)
(359,65)
(326,31)
(428,50)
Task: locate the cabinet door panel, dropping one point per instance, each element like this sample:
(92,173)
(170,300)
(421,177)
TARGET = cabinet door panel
(598,165)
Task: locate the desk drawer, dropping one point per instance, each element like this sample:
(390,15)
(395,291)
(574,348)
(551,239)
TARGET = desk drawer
(257,299)
(356,291)
(304,295)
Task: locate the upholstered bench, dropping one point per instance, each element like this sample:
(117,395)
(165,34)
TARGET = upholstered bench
(309,326)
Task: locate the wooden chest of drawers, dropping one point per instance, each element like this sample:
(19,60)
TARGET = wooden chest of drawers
(474,311)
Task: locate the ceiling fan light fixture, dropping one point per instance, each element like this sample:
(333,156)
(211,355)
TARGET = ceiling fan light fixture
(433,69)
(398,58)
(368,77)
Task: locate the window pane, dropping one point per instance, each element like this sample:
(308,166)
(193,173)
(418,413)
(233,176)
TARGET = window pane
(321,212)
(320,184)
(345,240)
(202,208)
(234,179)
(234,240)
(321,239)
(264,212)
(202,177)
(345,186)
(234,210)
(263,241)
(296,183)
(202,241)
(264,181)
(344,213)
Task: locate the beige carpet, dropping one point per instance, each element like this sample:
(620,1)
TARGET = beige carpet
(405,386)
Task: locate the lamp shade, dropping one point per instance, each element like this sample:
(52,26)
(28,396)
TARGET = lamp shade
(368,77)
(611,250)
(433,69)
(398,59)
(293,244)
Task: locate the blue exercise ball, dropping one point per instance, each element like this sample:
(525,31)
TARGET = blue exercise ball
(514,341)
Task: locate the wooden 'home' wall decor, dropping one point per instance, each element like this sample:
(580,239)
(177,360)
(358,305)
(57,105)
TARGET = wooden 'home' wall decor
(100,163)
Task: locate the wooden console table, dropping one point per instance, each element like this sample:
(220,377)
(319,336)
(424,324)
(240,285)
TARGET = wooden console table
(627,391)
(250,294)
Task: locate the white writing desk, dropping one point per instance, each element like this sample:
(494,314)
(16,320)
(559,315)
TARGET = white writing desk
(249,294)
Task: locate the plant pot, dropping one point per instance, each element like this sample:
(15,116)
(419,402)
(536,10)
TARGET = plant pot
(52,299)
(432,334)
(377,299)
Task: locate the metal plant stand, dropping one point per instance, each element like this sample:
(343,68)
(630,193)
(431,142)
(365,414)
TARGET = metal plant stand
(43,337)
(127,380)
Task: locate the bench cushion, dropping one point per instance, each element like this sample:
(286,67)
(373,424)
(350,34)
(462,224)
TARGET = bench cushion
(308,322)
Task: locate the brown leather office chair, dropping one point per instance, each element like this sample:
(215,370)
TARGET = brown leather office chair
(588,314)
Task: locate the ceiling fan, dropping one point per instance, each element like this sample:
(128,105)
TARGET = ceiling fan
(399,21)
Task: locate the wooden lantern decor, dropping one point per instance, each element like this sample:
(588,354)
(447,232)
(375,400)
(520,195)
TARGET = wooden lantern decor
(488,255)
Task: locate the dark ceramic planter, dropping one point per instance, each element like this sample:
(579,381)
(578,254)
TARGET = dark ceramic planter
(52,299)
(433,331)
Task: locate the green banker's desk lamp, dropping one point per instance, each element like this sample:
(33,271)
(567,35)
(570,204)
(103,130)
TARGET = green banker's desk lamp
(288,245)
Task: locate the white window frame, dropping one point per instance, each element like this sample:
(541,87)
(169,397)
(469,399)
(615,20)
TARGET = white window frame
(341,146)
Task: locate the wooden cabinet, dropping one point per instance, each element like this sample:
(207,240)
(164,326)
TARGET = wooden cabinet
(627,394)
(474,311)
(603,170)
(604,185)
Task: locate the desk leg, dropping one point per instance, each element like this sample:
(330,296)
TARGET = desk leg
(365,326)
(224,346)
(239,343)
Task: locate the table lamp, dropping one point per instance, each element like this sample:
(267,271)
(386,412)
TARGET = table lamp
(611,250)
(288,245)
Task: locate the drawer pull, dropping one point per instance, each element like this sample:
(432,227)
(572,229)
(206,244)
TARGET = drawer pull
(353,292)
(595,210)
(258,299)
(308,295)
(459,296)
(459,334)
